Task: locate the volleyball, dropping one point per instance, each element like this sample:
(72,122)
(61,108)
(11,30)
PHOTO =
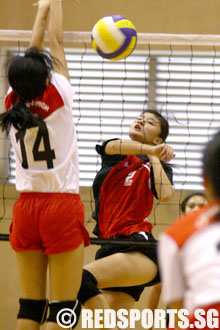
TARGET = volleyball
(114,37)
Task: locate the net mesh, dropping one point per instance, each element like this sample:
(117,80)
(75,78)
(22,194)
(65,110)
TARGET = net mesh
(177,74)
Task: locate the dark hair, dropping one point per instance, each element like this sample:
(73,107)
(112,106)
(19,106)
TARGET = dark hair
(27,76)
(164,125)
(211,163)
(187,198)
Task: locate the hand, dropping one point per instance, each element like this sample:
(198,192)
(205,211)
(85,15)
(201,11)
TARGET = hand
(167,153)
(42,3)
(164,152)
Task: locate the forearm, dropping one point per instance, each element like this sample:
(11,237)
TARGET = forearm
(55,27)
(55,30)
(39,27)
(162,183)
(127,147)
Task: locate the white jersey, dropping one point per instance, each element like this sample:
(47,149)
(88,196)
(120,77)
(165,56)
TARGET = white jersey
(47,158)
(189,257)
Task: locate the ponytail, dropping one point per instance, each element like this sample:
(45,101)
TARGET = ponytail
(27,75)
(20,117)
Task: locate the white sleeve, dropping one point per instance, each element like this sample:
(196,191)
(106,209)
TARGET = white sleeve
(173,283)
(64,87)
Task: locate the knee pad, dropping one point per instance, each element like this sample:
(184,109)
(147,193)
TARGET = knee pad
(35,310)
(88,287)
(65,313)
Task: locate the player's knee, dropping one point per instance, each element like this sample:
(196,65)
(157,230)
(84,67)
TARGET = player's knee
(65,312)
(35,310)
(88,287)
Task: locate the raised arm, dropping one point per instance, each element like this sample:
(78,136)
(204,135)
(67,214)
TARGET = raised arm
(40,22)
(162,183)
(55,30)
(156,153)
(130,147)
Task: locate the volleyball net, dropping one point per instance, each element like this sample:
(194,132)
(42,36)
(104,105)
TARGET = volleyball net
(179,75)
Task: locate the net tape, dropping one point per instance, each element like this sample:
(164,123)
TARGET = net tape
(143,38)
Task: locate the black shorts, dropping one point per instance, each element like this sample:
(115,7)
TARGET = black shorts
(149,251)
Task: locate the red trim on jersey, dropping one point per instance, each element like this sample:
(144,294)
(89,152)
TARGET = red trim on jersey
(187,225)
(44,105)
(10,100)
(126,199)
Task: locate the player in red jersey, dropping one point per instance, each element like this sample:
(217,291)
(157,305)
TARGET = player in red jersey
(189,252)
(48,218)
(132,173)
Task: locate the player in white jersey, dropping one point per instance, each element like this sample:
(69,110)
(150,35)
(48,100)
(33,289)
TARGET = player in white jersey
(191,202)
(44,151)
(189,251)
(48,218)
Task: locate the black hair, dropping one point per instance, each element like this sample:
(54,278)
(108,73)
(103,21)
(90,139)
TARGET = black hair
(164,125)
(211,163)
(27,75)
(187,198)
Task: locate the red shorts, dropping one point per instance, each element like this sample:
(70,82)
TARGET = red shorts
(51,222)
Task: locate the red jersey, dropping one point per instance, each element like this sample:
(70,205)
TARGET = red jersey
(126,199)
(124,192)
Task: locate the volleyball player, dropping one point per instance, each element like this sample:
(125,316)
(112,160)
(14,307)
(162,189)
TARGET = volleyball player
(190,203)
(133,172)
(189,250)
(193,202)
(48,217)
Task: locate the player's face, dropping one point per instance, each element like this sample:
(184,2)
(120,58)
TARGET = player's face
(146,129)
(195,203)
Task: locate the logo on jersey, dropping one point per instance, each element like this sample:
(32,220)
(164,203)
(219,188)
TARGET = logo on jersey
(38,104)
(44,105)
(129,179)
